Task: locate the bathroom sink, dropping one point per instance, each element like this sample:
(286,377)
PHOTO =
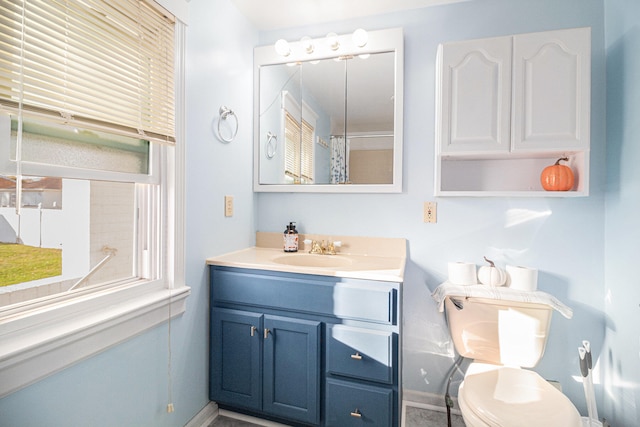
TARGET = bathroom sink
(308,260)
(368,258)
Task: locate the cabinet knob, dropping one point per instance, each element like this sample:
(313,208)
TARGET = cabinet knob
(266,333)
(253,330)
(356,413)
(356,356)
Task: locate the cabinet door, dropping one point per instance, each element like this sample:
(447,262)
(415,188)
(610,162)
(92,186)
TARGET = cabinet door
(475,96)
(552,78)
(292,368)
(235,365)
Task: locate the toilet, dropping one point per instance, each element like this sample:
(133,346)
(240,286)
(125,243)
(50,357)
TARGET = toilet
(503,338)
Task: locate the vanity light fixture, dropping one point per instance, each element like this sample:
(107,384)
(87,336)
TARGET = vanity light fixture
(282,48)
(360,37)
(333,42)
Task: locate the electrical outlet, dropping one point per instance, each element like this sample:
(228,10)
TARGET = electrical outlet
(228,205)
(430,209)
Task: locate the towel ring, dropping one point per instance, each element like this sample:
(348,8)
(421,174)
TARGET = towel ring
(272,145)
(224,113)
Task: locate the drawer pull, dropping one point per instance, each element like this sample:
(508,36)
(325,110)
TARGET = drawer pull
(266,333)
(253,330)
(356,413)
(356,356)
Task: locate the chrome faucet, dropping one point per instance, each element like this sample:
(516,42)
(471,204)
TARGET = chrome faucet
(322,247)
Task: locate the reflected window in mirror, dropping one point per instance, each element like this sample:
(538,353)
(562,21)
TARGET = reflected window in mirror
(299,154)
(298,122)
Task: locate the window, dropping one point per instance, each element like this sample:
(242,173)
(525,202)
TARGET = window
(85,110)
(90,166)
(97,235)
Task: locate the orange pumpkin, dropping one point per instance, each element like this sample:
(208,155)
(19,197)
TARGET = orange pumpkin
(557,177)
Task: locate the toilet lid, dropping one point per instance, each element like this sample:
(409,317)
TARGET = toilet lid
(512,396)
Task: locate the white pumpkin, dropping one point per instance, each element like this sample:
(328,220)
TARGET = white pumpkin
(491,275)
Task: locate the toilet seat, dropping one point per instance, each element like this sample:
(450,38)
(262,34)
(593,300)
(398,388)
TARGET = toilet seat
(506,396)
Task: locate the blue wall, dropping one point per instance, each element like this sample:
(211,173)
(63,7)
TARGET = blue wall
(564,238)
(622,287)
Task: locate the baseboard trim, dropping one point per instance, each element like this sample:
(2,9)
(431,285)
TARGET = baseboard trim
(205,417)
(430,401)
(250,419)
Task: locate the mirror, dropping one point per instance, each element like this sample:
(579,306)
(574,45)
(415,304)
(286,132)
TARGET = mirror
(330,121)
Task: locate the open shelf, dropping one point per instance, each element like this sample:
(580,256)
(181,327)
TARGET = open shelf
(508,175)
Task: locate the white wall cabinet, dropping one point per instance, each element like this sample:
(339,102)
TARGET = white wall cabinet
(507,107)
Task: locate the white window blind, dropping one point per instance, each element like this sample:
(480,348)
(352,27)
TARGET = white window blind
(298,150)
(306,156)
(96,64)
(292,147)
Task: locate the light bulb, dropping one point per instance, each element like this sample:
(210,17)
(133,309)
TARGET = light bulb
(360,37)
(332,41)
(282,47)
(307,44)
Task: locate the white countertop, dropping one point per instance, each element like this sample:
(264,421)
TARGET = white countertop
(359,257)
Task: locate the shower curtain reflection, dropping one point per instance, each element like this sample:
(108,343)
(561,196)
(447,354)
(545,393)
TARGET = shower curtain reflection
(339,160)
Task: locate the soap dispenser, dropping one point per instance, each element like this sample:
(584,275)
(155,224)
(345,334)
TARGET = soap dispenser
(291,238)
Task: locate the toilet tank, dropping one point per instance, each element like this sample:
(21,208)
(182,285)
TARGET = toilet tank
(499,331)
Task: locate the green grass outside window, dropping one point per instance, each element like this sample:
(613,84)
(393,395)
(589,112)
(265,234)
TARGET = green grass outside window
(22,263)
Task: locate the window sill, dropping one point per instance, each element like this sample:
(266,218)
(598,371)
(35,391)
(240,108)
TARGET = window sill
(39,342)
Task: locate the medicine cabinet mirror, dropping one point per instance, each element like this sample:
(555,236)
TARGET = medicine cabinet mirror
(328,115)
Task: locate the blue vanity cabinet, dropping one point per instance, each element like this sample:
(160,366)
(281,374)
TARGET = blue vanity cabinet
(305,349)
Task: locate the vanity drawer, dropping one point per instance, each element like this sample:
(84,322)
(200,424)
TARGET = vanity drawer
(360,353)
(350,404)
(337,297)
